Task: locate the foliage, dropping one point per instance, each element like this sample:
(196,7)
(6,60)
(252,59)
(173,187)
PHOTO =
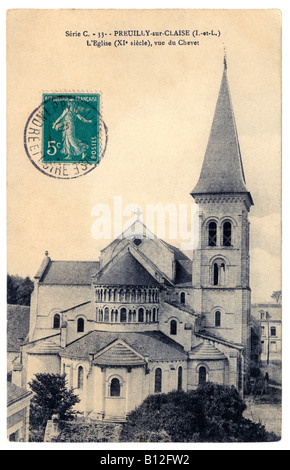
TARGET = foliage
(255,370)
(19,290)
(277,295)
(88,432)
(212,413)
(50,397)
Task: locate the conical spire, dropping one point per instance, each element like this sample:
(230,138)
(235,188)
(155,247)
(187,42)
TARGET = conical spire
(222,169)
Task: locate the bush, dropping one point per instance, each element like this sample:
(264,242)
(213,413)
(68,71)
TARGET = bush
(212,413)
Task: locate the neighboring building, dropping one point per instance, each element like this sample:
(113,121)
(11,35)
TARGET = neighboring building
(145,318)
(18,317)
(18,403)
(269,319)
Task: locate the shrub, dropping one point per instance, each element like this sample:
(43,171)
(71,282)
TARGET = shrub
(212,413)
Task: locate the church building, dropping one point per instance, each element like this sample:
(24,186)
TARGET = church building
(145,318)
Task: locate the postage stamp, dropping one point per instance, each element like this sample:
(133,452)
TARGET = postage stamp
(65,137)
(71,132)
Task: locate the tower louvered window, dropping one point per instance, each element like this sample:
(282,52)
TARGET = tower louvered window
(212,234)
(227,234)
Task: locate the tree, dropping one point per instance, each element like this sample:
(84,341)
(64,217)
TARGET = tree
(19,290)
(50,397)
(212,413)
(277,295)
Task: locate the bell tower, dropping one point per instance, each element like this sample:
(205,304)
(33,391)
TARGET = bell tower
(221,263)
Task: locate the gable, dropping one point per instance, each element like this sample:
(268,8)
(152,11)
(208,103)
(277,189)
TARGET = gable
(126,270)
(143,241)
(119,354)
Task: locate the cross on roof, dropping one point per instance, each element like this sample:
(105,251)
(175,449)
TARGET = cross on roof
(138,212)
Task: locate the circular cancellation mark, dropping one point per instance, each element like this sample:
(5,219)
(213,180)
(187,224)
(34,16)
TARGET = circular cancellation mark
(65,137)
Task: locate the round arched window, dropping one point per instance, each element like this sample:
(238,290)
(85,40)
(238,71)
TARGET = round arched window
(202,376)
(173,327)
(123,315)
(115,387)
(158,380)
(227,234)
(56,321)
(212,233)
(81,325)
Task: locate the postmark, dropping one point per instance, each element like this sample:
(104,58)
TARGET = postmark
(65,137)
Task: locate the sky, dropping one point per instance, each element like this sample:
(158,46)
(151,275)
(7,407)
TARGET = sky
(158,105)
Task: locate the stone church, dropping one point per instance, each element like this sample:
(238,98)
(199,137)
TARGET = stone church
(145,318)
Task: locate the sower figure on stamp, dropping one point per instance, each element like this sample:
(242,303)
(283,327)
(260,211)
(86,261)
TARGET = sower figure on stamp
(72,146)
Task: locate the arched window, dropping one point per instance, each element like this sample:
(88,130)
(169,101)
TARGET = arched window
(81,325)
(179,382)
(158,380)
(217,318)
(80,378)
(212,234)
(202,376)
(173,327)
(140,315)
(227,234)
(182,298)
(219,273)
(123,315)
(56,321)
(115,388)
(107,315)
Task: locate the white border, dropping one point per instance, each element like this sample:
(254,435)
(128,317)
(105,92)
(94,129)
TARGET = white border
(284,444)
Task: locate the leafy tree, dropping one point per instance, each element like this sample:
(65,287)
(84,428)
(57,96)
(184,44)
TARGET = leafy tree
(219,412)
(19,290)
(212,413)
(50,397)
(277,295)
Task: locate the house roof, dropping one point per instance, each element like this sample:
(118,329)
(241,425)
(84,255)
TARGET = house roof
(18,320)
(183,272)
(15,393)
(154,345)
(222,169)
(178,254)
(126,271)
(206,351)
(47,346)
(69,272)
(273,312)
(119,354)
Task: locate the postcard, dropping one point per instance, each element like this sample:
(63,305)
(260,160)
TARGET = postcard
(144,227)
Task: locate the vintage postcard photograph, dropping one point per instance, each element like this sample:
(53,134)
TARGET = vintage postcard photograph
(144,291)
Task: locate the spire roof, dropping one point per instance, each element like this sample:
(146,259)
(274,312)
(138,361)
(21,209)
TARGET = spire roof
(222,169)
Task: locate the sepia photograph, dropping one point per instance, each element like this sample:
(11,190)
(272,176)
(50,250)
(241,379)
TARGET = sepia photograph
(144,229)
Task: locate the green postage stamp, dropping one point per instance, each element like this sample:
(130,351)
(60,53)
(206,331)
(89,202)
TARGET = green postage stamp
(71,128)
